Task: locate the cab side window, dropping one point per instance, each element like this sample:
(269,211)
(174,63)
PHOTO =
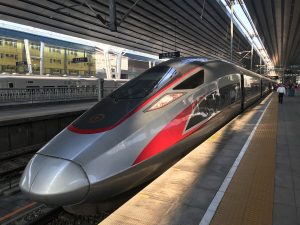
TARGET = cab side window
(192,82)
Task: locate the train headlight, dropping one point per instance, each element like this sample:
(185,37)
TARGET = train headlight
(165,100)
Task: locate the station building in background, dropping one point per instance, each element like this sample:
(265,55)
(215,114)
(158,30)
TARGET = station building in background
(61,57)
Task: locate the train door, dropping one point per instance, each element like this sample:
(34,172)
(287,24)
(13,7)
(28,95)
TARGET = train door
(242,92)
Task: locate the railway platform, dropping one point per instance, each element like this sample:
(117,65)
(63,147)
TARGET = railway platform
(246,173)
(27,129)
(33,111)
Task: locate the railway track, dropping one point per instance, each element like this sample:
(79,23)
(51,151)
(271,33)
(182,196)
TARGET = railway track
(40,214)
(21,151)
(32,213)
(11,170)
(12,164)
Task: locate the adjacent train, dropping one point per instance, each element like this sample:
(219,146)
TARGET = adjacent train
(17,81)
(139,130)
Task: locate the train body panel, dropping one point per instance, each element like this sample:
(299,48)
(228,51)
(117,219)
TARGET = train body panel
(64,181)
(143,127)
(139,173)
(21,82)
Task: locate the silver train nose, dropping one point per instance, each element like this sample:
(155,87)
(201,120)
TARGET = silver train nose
(54,181)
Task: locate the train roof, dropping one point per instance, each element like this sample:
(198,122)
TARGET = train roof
(212,64)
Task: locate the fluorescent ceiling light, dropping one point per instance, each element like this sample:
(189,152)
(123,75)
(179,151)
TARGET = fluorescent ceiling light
(243,21)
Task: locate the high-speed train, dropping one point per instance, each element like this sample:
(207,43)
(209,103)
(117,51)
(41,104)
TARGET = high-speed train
(139,130)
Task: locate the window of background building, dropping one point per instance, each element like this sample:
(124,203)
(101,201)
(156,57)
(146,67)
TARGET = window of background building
(10,85)
(8,42)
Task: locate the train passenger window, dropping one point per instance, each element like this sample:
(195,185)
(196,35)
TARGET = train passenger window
(266,86)
(229,94)
(32,87)
(192,82)
(10,85)
(251,85)
(203,110)
(230,90)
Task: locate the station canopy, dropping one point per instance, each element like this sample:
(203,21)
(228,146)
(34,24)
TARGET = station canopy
(193,27)
(278,23)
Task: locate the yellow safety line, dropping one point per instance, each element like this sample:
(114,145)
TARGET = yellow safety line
(249,197)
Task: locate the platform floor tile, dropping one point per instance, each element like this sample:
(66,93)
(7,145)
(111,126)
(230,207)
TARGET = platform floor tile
(249,197)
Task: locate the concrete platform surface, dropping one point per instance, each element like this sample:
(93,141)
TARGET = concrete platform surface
(286,209)
(42,110)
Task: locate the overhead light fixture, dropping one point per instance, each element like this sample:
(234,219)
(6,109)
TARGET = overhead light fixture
(244,23)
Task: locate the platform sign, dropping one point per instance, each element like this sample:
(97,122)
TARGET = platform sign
(167,55)
(79,60)
(21,63)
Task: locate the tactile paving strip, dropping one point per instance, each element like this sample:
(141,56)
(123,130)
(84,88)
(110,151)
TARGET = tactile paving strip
(249,197)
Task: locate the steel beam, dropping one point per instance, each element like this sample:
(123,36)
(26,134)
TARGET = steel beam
(28,57)
(251,64)
(42,58)
(231,29)
(107,64)
(118,65)
(112,16)
(65,61)
(127,13)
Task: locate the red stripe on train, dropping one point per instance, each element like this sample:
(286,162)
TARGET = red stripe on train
(170,134)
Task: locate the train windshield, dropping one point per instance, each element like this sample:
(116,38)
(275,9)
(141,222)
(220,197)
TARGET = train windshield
(149,81)
(122,101)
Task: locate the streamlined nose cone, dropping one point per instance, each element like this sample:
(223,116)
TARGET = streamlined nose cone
(54,181)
